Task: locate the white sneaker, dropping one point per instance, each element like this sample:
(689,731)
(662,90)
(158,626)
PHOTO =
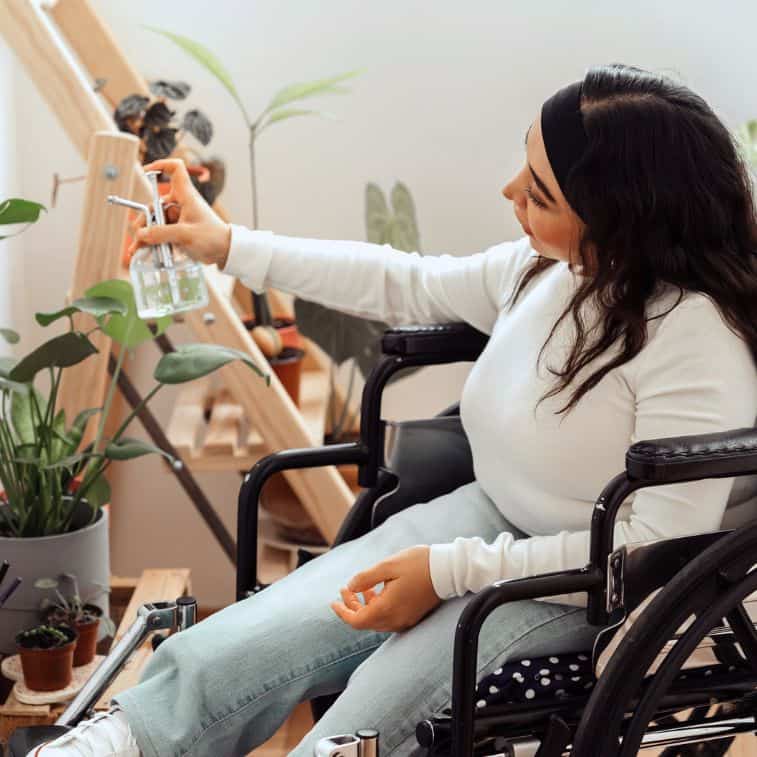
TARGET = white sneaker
(107,734)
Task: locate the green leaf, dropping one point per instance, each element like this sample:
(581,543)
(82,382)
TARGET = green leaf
(406,226)
(301,90)
(17,210)
(22,416)
(60,352)
(128,329)
(127,448)
(192,361)
(282,114)
(13,386)
(10,336)
(376,214)
(76,431)
(202,55)
(6,365)
(98,493)
(95,306)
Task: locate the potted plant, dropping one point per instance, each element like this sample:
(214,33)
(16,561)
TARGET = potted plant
(47,655)
(52,518)
(77,612)
(344,337)
(285,354)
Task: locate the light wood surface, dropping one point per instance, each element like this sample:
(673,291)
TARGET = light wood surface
(96,48)
(110,171)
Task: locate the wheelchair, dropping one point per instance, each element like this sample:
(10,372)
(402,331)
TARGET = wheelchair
(674,664)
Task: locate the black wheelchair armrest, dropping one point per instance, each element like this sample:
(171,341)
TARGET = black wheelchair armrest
(452,342)
(685,458)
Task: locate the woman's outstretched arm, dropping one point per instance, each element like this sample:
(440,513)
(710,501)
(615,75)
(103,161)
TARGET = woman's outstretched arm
(377,281)
(369,280)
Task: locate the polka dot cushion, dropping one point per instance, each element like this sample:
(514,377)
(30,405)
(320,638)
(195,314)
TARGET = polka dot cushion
(558,676)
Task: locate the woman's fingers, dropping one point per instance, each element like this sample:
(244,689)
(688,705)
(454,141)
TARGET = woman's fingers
(175,168)
(350,599)
(175,233)
(172,212)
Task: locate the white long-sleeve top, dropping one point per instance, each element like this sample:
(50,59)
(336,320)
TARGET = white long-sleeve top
(543,471)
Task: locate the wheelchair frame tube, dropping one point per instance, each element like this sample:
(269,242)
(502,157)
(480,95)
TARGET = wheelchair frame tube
(249,497)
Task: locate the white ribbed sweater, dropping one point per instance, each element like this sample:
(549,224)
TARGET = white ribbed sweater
(543,471)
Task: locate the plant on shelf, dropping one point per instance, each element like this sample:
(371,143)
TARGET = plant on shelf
(71,609)
(51,486)
(152,121)
(278,109)
(47,654)
(344,337)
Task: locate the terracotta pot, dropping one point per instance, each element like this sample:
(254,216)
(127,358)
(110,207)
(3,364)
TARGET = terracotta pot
(86,645)
(288,367)
(49,669)
(287,328)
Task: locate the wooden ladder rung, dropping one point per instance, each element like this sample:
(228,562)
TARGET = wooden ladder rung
(187,424)
(224,427)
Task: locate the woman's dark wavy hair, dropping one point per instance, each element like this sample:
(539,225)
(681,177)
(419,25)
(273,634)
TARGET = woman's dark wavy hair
(666,196)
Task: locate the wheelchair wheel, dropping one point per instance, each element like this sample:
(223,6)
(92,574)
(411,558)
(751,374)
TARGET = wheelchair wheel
(709,590)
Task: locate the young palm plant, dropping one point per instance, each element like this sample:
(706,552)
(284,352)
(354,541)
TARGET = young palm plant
(280,108)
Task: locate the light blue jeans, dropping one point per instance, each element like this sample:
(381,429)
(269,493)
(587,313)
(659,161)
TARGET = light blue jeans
(225,686)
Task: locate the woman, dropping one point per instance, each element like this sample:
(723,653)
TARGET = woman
(636,284)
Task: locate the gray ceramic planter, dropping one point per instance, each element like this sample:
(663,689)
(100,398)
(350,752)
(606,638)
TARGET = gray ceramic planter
(84,553)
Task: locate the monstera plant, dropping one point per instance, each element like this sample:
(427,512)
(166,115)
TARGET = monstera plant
(344,337)
(46,477)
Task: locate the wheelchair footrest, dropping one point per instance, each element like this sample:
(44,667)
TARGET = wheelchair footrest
(24,740)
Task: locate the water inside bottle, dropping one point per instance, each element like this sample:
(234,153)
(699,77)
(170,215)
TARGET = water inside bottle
(161,290)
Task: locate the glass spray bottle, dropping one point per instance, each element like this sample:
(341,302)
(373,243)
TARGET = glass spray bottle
(165,280)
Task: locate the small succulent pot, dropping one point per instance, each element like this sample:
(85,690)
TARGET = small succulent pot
(288,367)
(87,627)
(47,656)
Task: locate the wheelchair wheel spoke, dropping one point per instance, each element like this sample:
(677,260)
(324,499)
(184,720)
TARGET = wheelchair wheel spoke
(743,630)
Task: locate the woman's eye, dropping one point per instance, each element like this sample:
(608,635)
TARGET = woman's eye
(536,201)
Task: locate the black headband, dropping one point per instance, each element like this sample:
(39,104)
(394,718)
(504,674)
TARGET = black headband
(562,130)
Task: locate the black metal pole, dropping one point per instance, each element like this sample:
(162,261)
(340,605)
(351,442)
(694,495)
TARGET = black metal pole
(182,473)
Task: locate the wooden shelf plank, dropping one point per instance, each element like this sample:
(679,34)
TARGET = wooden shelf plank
(187,423)
(224,427)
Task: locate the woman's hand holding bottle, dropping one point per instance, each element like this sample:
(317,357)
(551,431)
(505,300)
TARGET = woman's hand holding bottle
(190,222)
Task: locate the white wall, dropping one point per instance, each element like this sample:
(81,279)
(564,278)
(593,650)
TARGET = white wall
(447,94)
(11,304)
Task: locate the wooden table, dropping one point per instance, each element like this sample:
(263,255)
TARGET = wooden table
(127,595)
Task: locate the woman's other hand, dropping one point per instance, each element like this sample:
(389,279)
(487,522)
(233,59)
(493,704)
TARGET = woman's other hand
(190,222)
(408,594)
